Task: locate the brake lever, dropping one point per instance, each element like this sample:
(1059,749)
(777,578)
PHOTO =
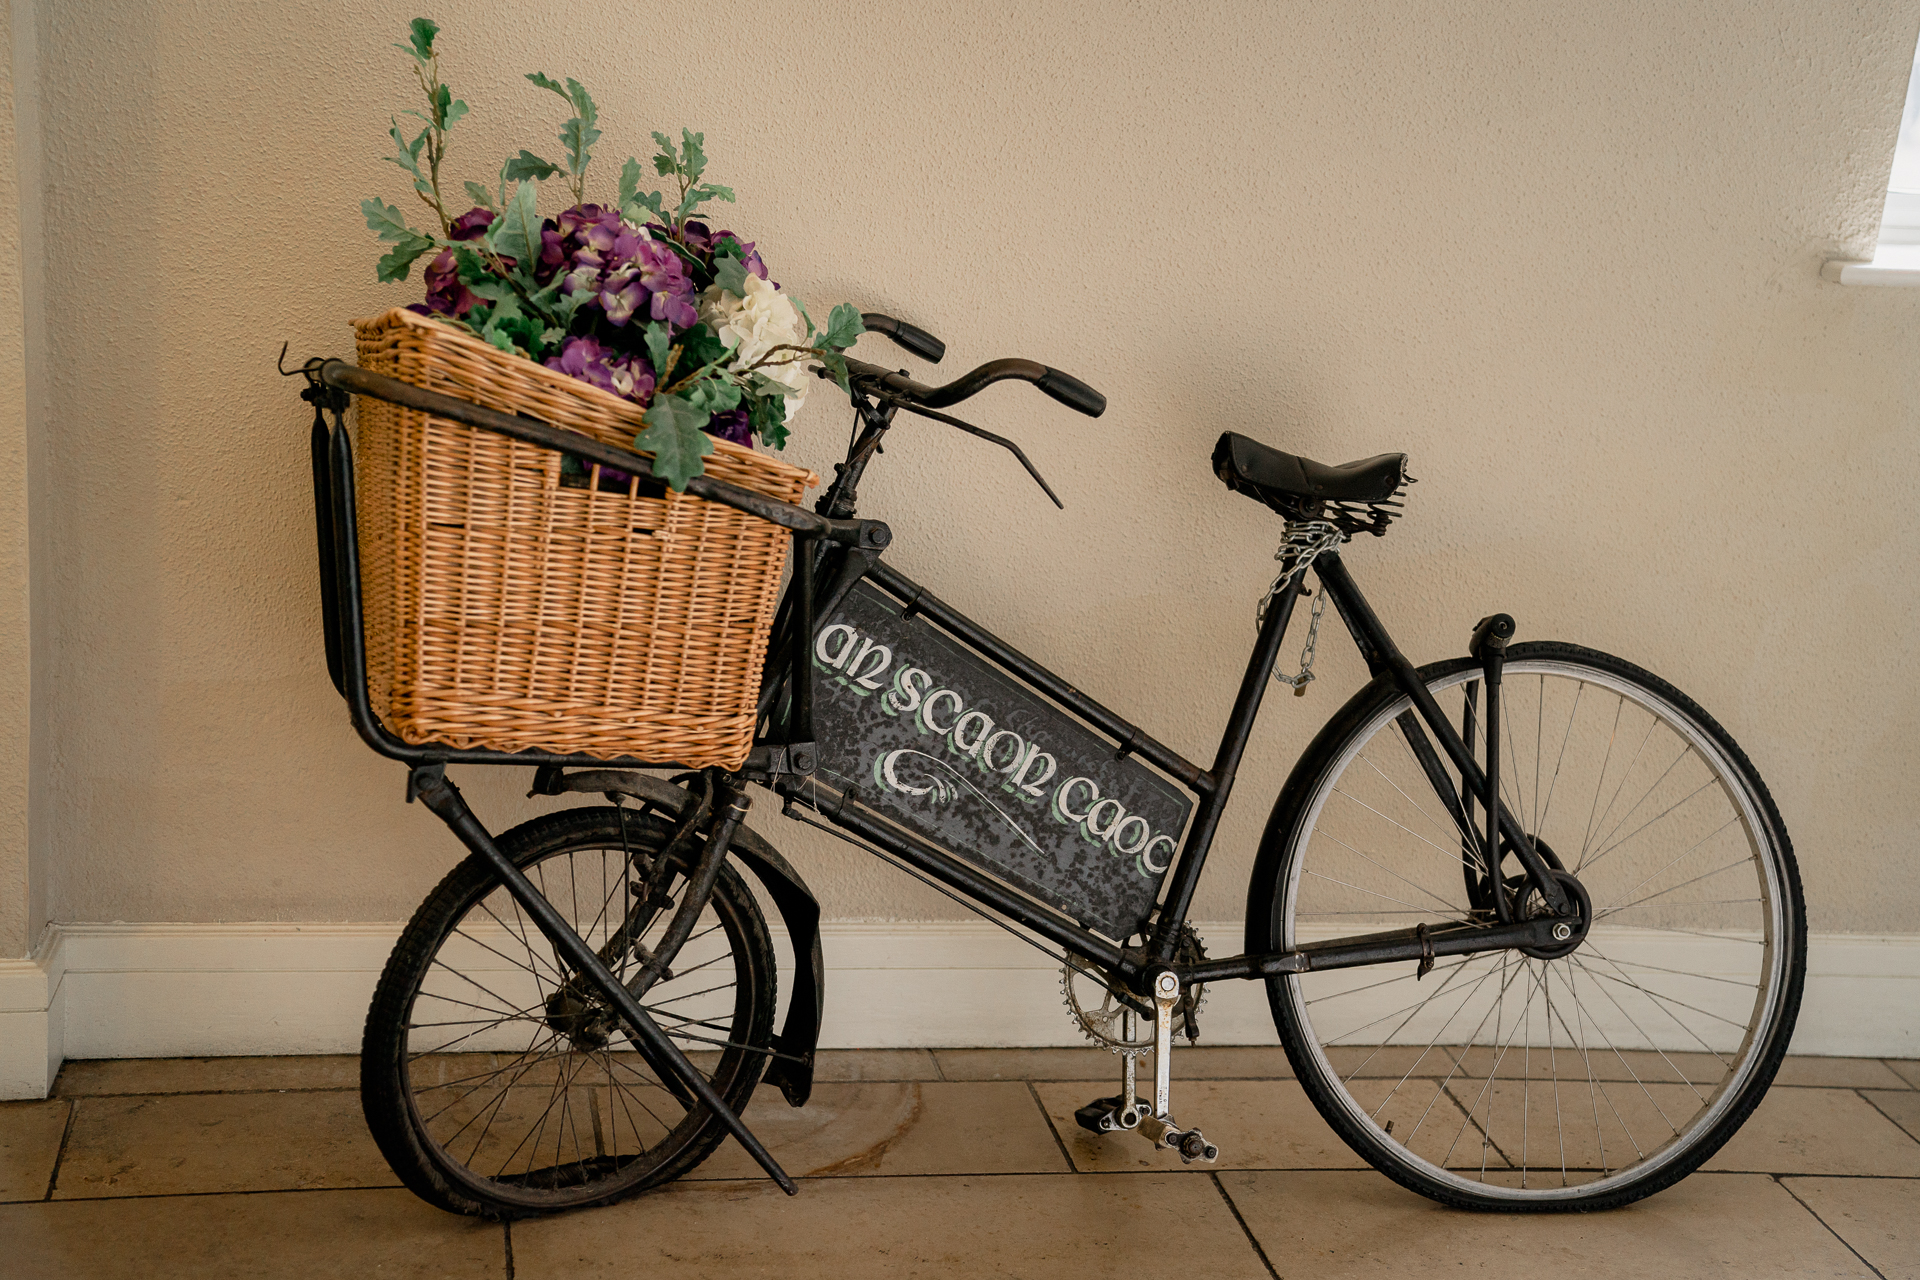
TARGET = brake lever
(882,394)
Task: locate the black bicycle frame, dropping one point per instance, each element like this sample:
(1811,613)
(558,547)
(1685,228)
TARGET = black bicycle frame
(1211,787)
(809,603)
(832,552)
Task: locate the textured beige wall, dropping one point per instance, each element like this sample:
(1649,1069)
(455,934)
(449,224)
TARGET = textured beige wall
(1565,255)
(15,684)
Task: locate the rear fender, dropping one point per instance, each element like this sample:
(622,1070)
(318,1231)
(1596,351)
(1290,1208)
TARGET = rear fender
(799,1036)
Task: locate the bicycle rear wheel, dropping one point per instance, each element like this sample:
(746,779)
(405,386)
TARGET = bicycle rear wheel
(1514,1081)
(497,1082)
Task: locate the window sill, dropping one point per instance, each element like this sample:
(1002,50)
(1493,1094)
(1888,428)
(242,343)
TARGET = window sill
(1897,269)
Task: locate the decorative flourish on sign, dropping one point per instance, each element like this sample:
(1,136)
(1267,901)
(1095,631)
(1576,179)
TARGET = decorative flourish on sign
(886,773)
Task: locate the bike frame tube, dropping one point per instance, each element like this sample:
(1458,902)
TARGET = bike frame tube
(810,599)
(1371,635)
(1211,788)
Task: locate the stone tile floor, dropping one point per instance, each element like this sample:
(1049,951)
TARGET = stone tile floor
(918,1163)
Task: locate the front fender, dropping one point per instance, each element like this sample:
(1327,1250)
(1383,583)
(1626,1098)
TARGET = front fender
(799,1035)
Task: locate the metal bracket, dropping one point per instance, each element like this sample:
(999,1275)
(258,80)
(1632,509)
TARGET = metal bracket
(798,758)
(422,778)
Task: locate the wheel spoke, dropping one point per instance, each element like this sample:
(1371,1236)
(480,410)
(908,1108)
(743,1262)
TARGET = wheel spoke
(1643,1020)
(564,1114)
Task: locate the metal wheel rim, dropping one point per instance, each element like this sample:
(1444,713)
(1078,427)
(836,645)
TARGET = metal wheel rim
(1772,968)
(713,921)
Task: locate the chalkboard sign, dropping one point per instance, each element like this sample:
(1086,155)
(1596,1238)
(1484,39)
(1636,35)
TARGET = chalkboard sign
(951,748)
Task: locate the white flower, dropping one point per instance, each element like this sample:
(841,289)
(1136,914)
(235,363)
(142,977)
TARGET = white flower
(754,325)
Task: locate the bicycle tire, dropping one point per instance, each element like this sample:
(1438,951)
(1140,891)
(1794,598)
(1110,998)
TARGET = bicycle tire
(1316,871)
(468,947)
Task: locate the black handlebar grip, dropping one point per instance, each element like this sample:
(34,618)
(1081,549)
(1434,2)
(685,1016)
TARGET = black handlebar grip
(916,340)
(1072,392)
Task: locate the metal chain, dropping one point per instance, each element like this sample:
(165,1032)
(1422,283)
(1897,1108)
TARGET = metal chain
(1302,543)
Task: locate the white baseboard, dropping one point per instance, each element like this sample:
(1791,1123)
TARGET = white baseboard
(198,990)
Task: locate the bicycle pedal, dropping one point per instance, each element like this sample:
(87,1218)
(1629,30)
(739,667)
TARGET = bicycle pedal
(1190,1144)
(1106,1115)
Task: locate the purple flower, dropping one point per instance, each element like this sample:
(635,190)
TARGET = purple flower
(584,235)
(748,255)
(471,225)
(627,273)
(731,425)
(694,235)
(445,294)
(587,359)
(706,242)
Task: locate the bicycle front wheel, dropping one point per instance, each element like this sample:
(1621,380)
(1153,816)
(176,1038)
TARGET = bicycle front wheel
(1514,1081)
(498,1082)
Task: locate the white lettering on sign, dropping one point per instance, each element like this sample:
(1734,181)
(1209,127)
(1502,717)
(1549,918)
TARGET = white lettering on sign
(972,735)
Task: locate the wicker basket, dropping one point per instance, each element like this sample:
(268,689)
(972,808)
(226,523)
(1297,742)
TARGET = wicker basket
(505,610)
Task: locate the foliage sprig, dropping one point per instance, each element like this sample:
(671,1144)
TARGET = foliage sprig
(638,297)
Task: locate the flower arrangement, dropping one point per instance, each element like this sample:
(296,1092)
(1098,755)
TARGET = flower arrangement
(638,298)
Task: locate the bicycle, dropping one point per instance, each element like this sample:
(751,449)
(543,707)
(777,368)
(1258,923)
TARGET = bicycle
(1566,969)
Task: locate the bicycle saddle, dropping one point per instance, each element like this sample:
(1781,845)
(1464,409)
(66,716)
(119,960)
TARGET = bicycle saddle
(1249,467)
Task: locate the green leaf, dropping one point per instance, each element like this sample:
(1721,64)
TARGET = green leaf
(667,160)
(516,232)
(843,327)
(479,277)
(582,102)
(528,165)
(445,109)
(730,274)
(577,136)
(674,438)
(693,160)
(697,196)
(648,203)
(524,331)
(659,343)
(836,364)
(395,264)
(715,395)
(632,199)
(405,154)
(699,348)
(768,418)
(420,34)
(386,220)
(553,86)
(801,307)
(479,194)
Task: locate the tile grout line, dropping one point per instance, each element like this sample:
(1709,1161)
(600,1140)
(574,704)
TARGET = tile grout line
(1252,1239)
(692,1182)
(1053,1129)
(1782,1184)
(265,1191)
(506,1228)
(214,1093)
(1862,1095)
(60,1155)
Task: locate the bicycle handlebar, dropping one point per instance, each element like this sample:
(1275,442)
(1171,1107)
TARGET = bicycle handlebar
(913,338)
(1065,388)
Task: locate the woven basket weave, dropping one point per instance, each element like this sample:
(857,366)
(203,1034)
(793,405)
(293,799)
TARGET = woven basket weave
(505,610)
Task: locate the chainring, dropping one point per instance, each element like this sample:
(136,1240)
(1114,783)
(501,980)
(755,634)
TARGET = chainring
(1101,1021)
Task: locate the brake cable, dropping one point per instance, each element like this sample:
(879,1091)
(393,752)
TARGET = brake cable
(887,396)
